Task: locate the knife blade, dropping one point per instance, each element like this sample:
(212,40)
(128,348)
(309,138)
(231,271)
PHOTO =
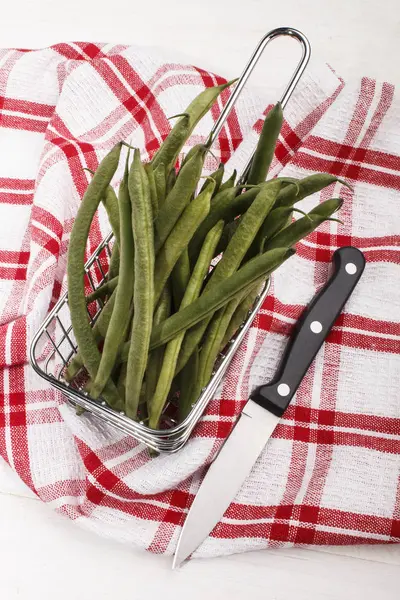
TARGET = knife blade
(267,404)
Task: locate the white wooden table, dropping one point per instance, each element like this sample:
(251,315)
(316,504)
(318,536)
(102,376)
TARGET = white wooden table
(44,556)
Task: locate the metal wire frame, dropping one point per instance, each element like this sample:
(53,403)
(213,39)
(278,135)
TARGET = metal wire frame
(172,435)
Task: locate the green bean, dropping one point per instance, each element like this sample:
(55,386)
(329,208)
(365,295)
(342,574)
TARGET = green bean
(119,371)
(172,349)
(178,198)
(226,205)
(212,342)
(210,301)
(148,168)
(278,219)
(307,186)
(240,314)
(233,255)
(229,183)
(155,360)
(271,222)
(192,152)
(160,181)
(204,101)
(113,269)
(227,235)
(275,221)
(76,256)
(171,179)
(179,238)
(121,383)
(143,296)
(246,231)
(173,144)
(99,331)
(217,175)
(180,276)
(106,289)
(200,270)
(187,381)
(302,227)
(110,203)
(120,314)
(266,145)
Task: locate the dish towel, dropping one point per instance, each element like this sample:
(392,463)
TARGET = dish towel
(330,473)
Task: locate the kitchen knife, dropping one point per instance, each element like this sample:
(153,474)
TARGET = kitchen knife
(267,404)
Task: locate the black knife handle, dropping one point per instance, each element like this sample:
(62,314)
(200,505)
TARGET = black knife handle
(311,331)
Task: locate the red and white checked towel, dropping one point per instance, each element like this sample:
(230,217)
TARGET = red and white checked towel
(330,475)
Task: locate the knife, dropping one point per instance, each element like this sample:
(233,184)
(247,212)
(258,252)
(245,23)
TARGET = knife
(267,404)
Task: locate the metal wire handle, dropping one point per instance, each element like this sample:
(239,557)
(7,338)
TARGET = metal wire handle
(271,35)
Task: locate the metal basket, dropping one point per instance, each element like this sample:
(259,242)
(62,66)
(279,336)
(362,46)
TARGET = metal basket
(54,344)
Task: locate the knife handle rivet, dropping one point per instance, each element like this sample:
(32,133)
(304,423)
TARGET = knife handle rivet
(316,327)
(283,389)
(351,268)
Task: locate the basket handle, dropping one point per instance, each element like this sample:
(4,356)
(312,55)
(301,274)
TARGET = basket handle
(255,57)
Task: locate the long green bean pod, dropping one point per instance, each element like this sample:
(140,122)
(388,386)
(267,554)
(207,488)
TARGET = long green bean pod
(76,255)
(212,343)
(148,168)
(120,314)
(113,269)
(192,152)
(180,277)
(233,256)
(172,349)
(210,301)
(306,186)
(155,361)
(106,289)
(229,183)
(227,235)
(173,144)
(226,205)
(170,182)
(110,202)
(217,175)
(266,145)
(187,380)
(143,297)
(99,331)
(276,221)
(240,313)
(179,238)
(160,180)
(179,197)
(302,227)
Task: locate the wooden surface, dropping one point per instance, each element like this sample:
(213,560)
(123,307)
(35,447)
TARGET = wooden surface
(44,556)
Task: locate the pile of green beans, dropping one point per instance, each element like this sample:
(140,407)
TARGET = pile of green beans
(188,260)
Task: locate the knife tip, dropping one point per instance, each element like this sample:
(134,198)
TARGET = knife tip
(176,563)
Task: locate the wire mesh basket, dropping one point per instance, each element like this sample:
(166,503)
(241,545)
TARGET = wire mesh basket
(54,344)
